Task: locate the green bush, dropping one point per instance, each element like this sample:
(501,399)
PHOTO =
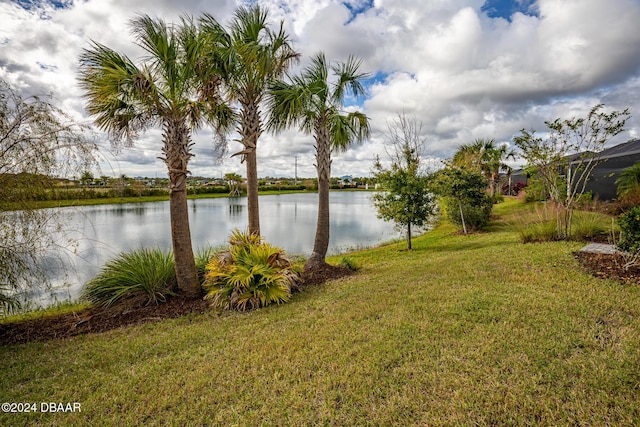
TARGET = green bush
(142,276)
(476,216)
(349,263)
(630,230)
(249,274)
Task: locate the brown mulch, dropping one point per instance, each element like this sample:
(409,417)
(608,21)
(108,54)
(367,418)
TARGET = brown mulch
(95,320)
(324,273)
(608,266)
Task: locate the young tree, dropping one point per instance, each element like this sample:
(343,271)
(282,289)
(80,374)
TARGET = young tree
(464,197)
(37,141)
(315,104)
(250,55)
(565,159)
(406,198)
(171,88)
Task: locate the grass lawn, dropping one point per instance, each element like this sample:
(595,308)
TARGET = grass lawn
(463,330)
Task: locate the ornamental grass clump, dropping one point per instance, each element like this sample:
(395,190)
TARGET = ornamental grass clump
(249,274)
(143,276)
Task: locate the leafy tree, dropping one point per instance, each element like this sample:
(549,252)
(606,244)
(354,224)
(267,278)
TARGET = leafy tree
(86,178)
(485,157)
(565,159)
(37,141)
(629,181)
(407,199)
(250,55)
(315,104)
(172,88)
(464,197)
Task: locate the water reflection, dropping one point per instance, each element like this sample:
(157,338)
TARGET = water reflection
(287,220)
(236,209)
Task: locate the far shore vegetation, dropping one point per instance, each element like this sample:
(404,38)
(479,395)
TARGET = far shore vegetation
(107,190)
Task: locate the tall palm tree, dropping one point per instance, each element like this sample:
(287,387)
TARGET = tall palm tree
(314,104)
(171,88)
(251,55)
(485,157)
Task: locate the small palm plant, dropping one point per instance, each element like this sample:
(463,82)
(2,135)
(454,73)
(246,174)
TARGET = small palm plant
(249,274)
(629,181)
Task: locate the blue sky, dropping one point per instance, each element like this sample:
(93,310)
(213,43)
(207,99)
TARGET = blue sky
(505,9)
(466,69)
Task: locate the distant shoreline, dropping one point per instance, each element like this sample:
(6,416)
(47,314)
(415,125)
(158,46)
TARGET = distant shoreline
(47,204)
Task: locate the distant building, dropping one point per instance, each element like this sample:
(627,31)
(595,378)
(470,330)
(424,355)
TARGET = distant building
(611,164)
(602,181)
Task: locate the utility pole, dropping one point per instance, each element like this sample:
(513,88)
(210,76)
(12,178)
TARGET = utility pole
(296,180)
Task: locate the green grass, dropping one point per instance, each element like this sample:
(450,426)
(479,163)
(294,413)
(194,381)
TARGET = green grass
(55,310)
(463,330)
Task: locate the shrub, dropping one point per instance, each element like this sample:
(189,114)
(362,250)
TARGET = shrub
(544,231)
(349,263)
(142,276)
(630,230)
(249,274)
(476,216)
(587,225)
(539,225)
(203,256)
(517,187)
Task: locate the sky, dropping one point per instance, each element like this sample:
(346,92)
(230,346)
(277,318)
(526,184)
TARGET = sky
(464,69)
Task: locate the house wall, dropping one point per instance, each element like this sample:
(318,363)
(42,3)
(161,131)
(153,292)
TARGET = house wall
(603,177)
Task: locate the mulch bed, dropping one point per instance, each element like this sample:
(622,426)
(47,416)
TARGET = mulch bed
(324,273)
(95,320)
(608,266)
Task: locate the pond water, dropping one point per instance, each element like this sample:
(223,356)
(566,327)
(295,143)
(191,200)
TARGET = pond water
(286,220)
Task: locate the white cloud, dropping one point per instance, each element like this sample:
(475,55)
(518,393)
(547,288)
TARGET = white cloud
(463,74)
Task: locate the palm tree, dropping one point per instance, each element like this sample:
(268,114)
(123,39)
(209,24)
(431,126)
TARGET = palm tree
(629,181)
(484,157)
(315,105)
(251,55)
(234,180)
(171,88)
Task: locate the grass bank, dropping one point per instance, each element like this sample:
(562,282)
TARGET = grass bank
(463,330)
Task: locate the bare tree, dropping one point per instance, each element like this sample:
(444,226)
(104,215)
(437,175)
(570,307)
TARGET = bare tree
(37,142)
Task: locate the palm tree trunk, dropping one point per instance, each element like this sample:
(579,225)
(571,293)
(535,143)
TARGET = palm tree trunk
(250,130)
(252,193)
(323,166)
(177,146)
